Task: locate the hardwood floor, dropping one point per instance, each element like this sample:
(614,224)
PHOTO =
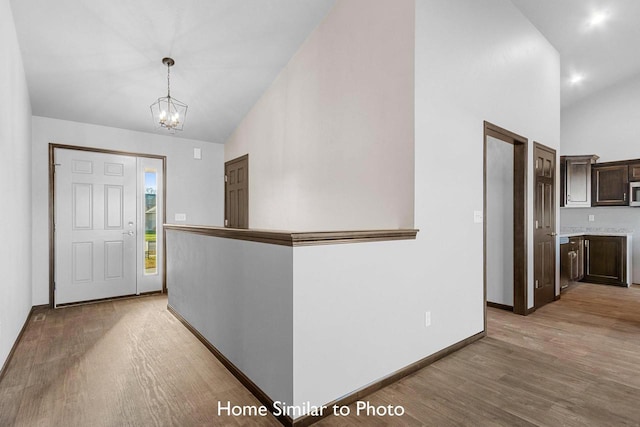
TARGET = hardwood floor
(575,362)
(126,362)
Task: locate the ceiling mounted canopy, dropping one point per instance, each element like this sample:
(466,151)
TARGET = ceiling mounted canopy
(168,112)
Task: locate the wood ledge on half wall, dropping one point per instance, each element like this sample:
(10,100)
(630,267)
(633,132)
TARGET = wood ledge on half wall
(291,238)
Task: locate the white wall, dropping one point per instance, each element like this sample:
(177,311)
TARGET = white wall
(331,142)
(607,124)
(194,187)
(239,296)
(372,298)
(15,187)
(499,256)
(359,315)
(475,61)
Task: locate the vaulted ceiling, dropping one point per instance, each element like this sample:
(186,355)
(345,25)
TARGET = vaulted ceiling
(98,61)
(598,41)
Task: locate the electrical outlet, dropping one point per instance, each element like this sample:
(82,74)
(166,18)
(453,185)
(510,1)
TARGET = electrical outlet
(180,217)
(592,218)
(197,153)
(427,319)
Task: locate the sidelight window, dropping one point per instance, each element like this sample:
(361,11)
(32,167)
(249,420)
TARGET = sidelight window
(150,221)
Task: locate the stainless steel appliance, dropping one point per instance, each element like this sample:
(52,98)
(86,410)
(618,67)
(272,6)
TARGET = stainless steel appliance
(634,192)
(571,260)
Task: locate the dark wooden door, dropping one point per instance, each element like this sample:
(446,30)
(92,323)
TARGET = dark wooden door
(605,260)
(236,192)
(610,185)
(544,235)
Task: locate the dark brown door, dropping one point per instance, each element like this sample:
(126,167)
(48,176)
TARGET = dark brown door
(236,192)
(544,232)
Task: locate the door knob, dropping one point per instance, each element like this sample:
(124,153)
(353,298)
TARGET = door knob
(129,233)
(552,234)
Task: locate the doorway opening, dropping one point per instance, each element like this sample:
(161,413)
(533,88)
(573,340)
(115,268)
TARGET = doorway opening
(505,220)
(106,210)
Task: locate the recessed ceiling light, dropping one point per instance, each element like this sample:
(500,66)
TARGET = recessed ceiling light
(598,18)
(576,79)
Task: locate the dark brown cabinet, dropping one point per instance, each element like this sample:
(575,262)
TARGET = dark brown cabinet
(605,260)
(634,172)
(575,180)
(610,185)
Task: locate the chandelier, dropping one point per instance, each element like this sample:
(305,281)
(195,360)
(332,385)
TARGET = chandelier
(168,112)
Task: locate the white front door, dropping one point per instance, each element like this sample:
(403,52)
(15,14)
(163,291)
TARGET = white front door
(95,225)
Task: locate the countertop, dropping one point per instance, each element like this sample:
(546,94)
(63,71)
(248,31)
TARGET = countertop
(594,231)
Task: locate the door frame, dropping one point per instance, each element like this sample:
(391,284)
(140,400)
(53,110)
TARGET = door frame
(52,199)
(556,291)
(520,194)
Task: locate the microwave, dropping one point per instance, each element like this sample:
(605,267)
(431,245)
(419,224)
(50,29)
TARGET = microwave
(634,194)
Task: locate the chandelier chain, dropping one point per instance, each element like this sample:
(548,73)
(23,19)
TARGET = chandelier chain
(168,81)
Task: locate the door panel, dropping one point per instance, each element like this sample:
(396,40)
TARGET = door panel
(114,206)
(82,206)
(95,225)
(544,252)
(114,260)
(82,265)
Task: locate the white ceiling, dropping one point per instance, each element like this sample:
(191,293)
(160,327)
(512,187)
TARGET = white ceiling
(604,55)
(99,61)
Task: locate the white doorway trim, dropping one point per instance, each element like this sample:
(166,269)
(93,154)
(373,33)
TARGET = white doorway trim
(52,200)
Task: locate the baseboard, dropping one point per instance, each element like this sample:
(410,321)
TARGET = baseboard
(390,379)
(101,300)
(15,344)
(246,381)
(500,306)
(346,400)
(530,310)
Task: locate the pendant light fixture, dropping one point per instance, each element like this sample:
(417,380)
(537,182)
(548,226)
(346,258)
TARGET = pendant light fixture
(168,112)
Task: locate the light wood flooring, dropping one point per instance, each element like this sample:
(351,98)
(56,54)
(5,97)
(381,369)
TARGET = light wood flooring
(575,362)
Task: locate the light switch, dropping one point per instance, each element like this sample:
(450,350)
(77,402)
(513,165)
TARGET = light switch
(180,217)
(197,153)
(478,217)
(592,218)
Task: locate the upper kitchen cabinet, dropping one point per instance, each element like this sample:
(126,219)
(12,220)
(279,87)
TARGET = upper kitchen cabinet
(610,185)
(634,172)
(575,179)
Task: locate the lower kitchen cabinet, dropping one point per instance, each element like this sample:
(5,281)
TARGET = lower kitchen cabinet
(605,260)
